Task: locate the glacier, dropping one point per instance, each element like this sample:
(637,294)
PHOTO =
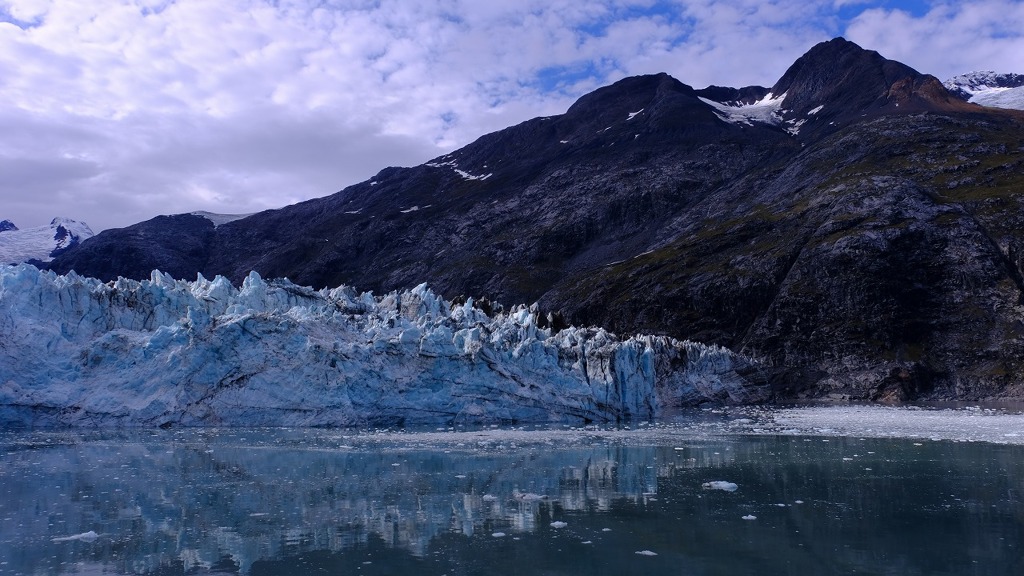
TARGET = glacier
(75,351)
(987,88)
(42,243)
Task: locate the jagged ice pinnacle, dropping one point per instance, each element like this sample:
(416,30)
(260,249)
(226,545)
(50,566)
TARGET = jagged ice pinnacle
(77,351)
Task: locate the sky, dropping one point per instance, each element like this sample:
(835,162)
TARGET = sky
(116,111)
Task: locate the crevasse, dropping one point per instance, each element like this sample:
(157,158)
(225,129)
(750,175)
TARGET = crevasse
(75,351)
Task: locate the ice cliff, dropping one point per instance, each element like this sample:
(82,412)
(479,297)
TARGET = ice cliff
(76,351)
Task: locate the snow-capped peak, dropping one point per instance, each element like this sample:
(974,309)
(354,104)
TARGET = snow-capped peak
(43,243)
(983,81)
(988,88)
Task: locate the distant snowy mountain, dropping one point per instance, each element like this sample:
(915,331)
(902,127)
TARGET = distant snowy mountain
(40,244)
(989,89)
(77,351)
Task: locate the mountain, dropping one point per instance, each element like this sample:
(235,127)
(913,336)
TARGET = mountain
(989,89)
(40,244)
(161,352)
(855,227)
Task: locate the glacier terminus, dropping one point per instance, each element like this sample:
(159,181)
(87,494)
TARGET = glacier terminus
(77,351)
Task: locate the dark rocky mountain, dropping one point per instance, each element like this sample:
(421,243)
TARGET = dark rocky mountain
(855,227)
(733,96)
(6,225)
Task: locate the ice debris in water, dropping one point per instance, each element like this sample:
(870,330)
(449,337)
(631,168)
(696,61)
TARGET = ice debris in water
(750,517)
(83,352)
(89,536)
(558,524)
(720,485)
(646,553)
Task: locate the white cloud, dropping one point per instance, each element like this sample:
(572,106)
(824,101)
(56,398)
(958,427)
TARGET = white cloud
(115,111)
(952,38)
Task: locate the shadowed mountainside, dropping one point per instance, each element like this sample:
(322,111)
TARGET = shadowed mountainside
(856,226)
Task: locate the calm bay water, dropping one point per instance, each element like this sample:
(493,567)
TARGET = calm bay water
(505,501)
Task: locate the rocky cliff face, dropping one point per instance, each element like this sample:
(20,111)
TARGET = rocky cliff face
(855,226)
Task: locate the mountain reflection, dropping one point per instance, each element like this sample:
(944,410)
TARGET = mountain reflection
(280,502)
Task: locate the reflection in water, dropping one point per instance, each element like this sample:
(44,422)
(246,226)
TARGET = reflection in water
(294,502)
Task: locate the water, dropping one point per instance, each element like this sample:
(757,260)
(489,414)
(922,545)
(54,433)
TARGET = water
(507,501)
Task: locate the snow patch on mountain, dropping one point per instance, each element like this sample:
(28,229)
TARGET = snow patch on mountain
(220,219)
(989,89)
(453,164)
(765,111)
(43,243)
(76,351)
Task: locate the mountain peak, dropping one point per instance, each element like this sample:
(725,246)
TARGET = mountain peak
(840,78)
(43,243)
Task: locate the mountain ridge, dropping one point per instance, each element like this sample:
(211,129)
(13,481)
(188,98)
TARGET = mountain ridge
(832,226)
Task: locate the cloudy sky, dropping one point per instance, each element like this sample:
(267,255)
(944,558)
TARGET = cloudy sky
(115,111)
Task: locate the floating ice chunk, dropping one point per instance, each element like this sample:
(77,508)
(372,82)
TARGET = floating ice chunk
(606,529)
(498,534)
(558,524)
(89,536)
(489,498)
(646,553)
(720,485)
(750,517)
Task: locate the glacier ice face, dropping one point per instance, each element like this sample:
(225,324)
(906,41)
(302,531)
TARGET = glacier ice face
(78,352)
